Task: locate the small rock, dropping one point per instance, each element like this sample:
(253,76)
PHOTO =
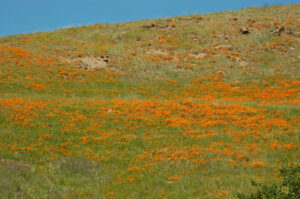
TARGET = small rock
(221,72)
(227,36)
(233,19)
(244,30)
(197,19)
(197,56)
(228,47)
(104,58)
(109,111)
(279,29)
(251,21)
(149,26)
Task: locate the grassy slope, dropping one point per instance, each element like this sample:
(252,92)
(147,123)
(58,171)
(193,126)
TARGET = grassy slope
(157,121)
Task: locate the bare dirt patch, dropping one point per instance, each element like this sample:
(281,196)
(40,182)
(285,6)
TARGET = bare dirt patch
(89,62)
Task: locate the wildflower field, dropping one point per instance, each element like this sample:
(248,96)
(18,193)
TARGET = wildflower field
(184,107)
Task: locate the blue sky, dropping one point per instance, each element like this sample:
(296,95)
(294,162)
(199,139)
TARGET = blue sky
(23,16)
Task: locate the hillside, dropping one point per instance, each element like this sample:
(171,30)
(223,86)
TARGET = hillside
(185,107)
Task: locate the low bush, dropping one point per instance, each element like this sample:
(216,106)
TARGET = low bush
(288,188)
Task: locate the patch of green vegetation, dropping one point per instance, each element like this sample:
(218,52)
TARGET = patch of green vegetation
(289,188)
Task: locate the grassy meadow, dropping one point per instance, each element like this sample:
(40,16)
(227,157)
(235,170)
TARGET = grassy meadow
(185,107)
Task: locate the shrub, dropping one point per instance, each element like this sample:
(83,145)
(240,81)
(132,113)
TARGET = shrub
(289,188)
